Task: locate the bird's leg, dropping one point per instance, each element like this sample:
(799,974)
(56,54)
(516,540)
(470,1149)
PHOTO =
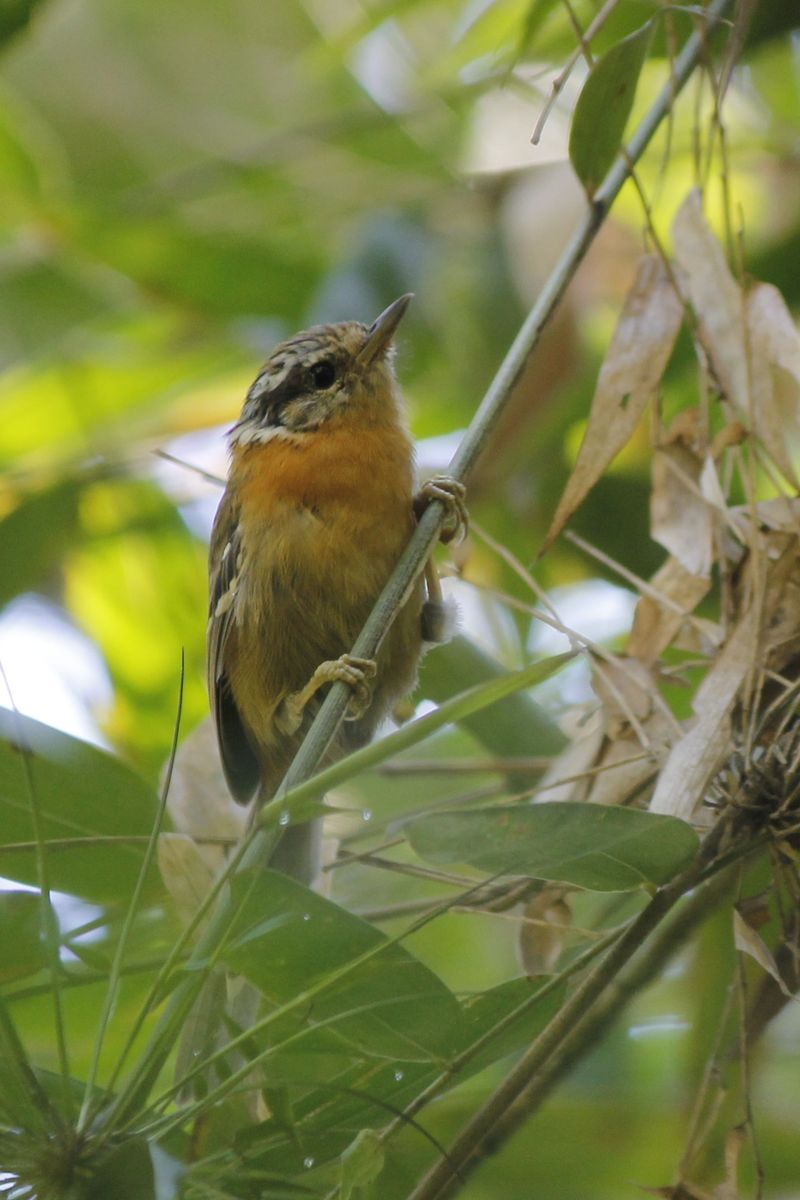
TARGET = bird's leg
(451,492)
(439,616)
(347,669)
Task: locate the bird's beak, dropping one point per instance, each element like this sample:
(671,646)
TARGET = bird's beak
(380,334)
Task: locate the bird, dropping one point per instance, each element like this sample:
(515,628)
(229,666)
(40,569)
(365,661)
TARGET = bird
(318,506)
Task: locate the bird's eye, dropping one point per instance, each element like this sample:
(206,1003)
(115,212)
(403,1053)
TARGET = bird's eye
(323,374)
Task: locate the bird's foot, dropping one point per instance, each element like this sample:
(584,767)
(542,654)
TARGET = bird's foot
(452,493)
(355,672)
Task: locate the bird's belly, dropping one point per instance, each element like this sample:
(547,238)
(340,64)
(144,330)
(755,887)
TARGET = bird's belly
(311,581)
(325,559)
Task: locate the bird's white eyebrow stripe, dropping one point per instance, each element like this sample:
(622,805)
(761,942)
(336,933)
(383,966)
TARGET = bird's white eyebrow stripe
(276,372)
(252,433)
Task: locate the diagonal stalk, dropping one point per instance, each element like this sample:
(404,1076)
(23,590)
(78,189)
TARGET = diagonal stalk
(588,1030)
(599,997)
(115,974)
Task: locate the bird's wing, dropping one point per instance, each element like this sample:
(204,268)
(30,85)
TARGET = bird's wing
(239,761)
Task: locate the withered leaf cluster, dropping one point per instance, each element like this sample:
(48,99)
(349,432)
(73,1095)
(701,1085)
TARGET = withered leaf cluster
(727,597)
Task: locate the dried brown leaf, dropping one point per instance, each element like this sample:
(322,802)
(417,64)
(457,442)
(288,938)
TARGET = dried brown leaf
(715,296)
(624,768)
(541,935)
(772,574)
(696,757)
(656,625)
(626,688)
(199,801)
(710,486)
(782,513)
(747,941)
(772,322)
(729,1189)
(774,343)
(188,871)
(632,369)
(733,433)
(680,518)
(781,641)
(701,636)
(578,756)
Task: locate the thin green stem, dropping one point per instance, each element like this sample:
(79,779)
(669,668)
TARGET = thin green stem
(50,927)
(115,974)
(196,970)
(177,956)
(587,1032)
(556,1043)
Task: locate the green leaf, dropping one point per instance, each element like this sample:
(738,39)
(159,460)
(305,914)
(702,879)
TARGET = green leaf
(35,535)
(22,949)
(23,1100)
(126,1173)
(360,1096)
(82,792)
(604,106)
(289,942)
(605,849)
(362,1163)
(487,1010)
(15,15)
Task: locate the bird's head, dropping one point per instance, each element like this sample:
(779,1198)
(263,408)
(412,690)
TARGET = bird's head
(318,377)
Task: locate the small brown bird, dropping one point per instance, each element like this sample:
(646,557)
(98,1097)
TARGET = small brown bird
(317,510)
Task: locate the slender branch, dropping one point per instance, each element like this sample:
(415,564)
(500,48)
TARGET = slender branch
(562,77)
(50,928)
(115,974)
(598,998)
(587,1032)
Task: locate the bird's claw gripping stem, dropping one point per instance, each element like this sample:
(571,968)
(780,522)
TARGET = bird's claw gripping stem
(355,672)
(451,492)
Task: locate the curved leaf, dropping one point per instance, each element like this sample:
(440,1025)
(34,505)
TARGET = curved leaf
(288,941)
(604,106)
(594,846)
(82,793)
(22,949)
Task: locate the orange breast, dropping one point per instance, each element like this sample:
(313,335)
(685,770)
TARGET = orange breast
(363,476)
(329,514)
(330,464)
(323,522)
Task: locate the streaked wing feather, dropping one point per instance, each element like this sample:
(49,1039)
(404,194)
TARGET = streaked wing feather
(239,761)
